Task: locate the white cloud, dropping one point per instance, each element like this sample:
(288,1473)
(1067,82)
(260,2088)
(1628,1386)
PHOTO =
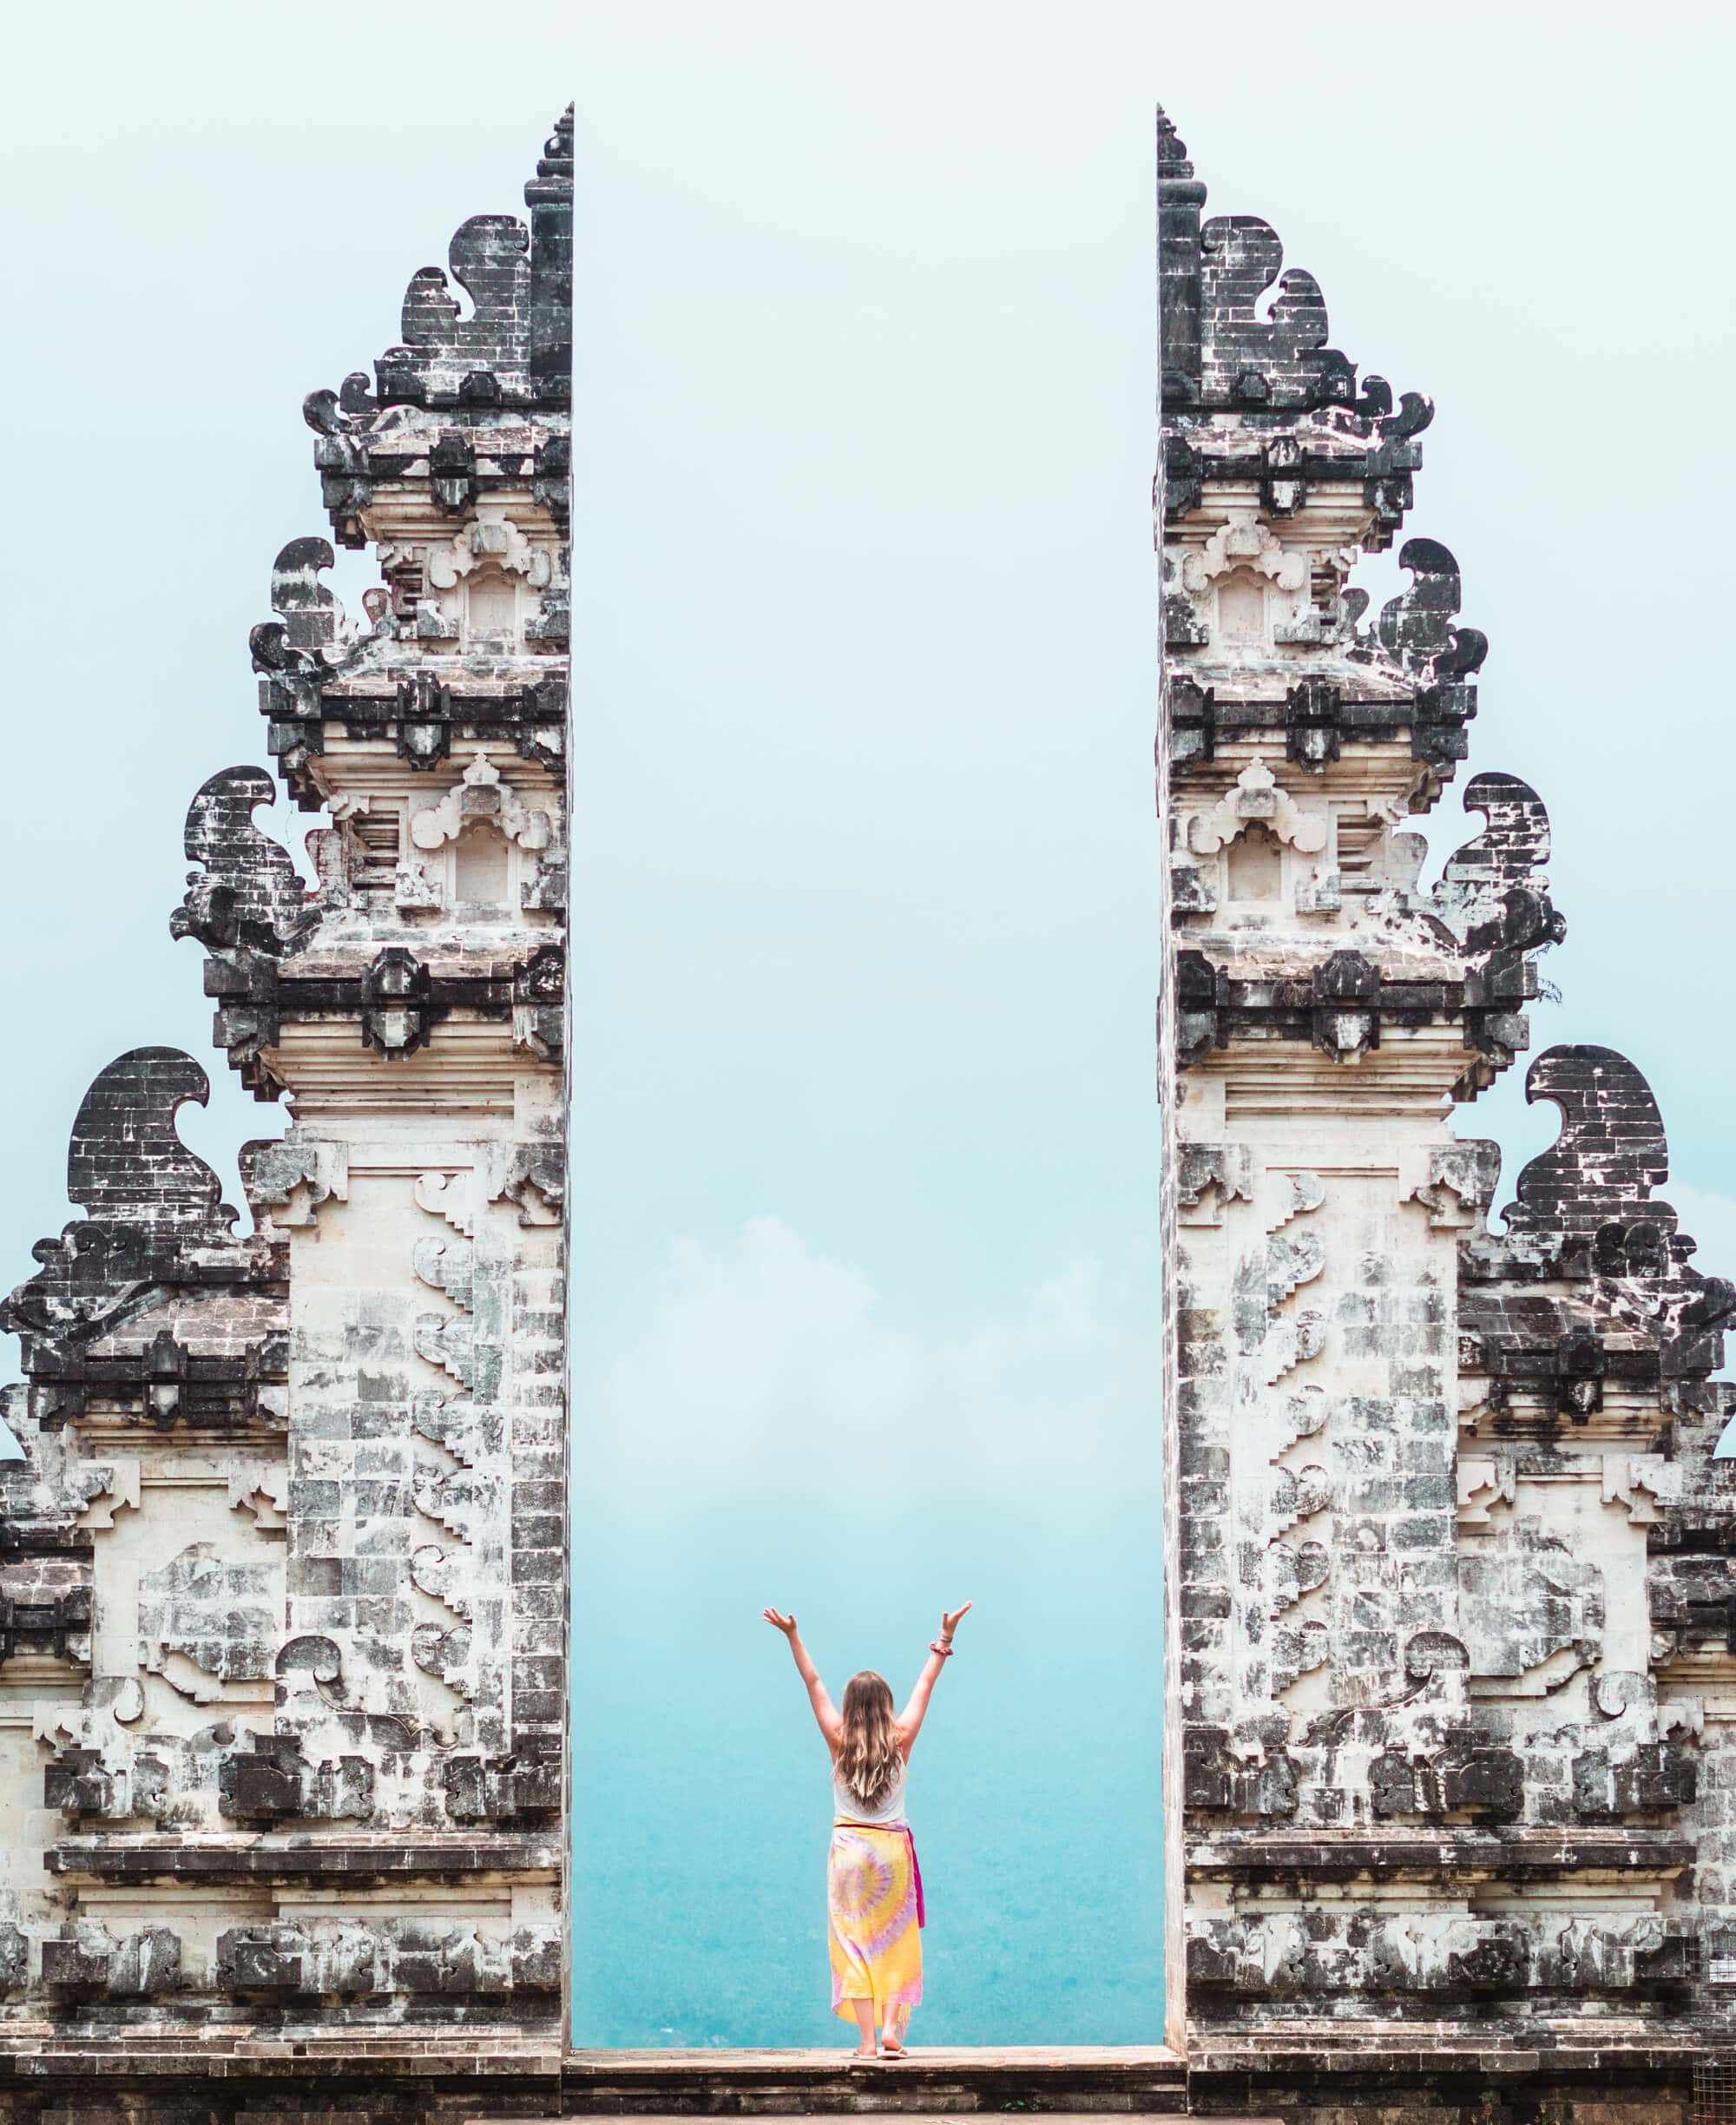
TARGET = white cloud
(730,1363)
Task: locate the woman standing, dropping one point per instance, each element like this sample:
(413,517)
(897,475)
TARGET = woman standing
(874,1899)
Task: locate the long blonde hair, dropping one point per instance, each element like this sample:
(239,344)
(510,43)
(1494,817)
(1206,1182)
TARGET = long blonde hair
(869,1756)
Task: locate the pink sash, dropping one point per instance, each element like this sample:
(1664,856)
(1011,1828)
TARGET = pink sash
(916,1869)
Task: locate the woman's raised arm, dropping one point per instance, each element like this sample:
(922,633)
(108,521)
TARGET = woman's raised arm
(824,1710)
(911,1720)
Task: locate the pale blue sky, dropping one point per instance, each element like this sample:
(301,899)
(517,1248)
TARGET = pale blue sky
(864,677)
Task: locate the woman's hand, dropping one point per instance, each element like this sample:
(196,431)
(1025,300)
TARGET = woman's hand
(786,1623)
(950,1617)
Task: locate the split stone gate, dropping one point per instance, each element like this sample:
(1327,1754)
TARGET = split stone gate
(1451,1618)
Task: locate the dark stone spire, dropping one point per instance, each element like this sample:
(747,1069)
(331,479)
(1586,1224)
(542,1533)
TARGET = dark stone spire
(1239,329)
(513,345)
(1180,197)
(549,195)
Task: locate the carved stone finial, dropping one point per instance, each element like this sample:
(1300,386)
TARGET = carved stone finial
(1610,1154)
(1491,892)
(148,1198)
(556,159)
(247,891)
(513,345)
(1257,354)
(310,619)
(1171,149)
(126,1164)
(1416,627)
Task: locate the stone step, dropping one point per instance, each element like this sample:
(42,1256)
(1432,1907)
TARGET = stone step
(1063,2081)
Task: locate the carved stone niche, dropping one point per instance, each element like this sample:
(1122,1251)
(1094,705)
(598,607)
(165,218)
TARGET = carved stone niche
(1248,588)
(1463,1780)
(1215,1781)
(488,585)
(86,1962)
(477,842)
(81,1784)
(287,1958)
(1647,1778)
(396,1012)
(1345,1022)
(272,1782)
(524,1787)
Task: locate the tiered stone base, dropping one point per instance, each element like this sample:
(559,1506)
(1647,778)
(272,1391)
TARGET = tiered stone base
(1262,2079)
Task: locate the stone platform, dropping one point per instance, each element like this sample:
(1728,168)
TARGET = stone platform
(1059,2081)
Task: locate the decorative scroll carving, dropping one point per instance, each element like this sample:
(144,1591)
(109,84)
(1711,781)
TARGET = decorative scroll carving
(149,1199)
(1256,797)
(1491,892)
(248,890)
(514,344)
(304,638)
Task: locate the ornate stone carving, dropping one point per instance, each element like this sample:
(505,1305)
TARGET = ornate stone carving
(1256,797)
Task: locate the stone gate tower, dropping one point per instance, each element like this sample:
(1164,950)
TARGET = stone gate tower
(1452,1606)
(281,1592)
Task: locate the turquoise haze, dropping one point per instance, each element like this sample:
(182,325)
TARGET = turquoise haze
(702,1793)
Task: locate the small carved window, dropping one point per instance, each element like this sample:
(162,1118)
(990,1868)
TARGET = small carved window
(480,868)
(491,606)
(1256,864)
(1241,608)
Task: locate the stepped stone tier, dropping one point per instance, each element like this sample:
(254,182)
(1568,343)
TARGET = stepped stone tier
(1452,1617)
(1451,1612)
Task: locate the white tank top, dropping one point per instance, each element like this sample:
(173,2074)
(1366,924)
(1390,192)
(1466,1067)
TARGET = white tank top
(892,1807)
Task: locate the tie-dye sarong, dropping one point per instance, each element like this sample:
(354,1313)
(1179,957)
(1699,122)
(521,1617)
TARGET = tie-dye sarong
(872,1930)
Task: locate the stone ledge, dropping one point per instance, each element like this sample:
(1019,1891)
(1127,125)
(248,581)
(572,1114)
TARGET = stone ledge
(1432,2052)
(1450,1849)
(202,2055)
(353,1859)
